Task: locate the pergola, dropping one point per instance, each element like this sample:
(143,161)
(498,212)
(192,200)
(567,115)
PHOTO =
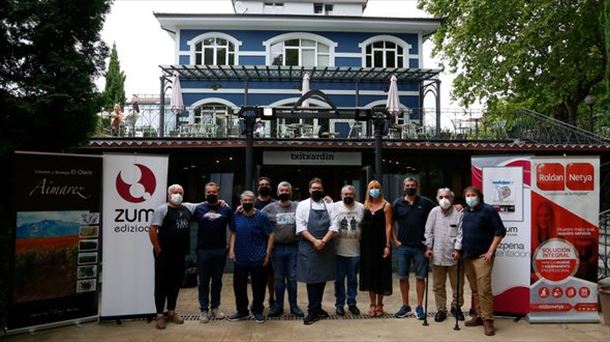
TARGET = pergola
(427,78)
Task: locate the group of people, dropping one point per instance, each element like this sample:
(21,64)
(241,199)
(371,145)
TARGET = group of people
(278,243)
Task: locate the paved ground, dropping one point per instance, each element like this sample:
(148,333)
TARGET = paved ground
(335,329)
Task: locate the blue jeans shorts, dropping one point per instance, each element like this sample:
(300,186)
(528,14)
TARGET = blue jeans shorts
(411,255)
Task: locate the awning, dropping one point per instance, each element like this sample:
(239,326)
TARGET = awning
(295,73)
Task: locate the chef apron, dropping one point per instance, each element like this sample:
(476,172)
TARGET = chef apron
(316,266)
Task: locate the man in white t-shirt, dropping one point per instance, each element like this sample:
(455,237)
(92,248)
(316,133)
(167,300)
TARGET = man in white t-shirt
(347,215)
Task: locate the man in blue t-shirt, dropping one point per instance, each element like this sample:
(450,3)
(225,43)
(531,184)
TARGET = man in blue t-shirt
(410,214)
(250,248)
(212,219)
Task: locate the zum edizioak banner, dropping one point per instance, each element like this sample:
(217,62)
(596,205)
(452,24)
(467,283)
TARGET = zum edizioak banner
(565,239)
(54,266)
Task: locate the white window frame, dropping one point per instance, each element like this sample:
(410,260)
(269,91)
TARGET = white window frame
(274,7)
(327,9)
(211,101)
(301,35)
(218,35)
(406,48)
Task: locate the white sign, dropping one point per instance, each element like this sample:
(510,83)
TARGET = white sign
(134,185)
(503,189)
(320,158)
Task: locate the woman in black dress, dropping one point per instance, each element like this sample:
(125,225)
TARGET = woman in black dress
(375,260)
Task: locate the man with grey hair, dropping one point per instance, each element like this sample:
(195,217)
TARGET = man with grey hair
(347,215)
(281,214)
(250,247)
(169,234)
(443,241)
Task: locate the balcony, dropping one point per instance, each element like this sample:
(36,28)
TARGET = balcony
(456,125)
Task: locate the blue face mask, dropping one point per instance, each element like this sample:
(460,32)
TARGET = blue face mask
(375,193)
(472,201)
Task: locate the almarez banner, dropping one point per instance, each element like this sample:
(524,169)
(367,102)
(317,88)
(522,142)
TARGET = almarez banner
(54,268)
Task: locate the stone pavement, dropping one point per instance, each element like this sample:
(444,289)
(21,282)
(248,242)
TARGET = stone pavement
(288,328)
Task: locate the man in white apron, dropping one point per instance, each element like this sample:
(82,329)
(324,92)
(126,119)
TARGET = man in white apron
(316,258)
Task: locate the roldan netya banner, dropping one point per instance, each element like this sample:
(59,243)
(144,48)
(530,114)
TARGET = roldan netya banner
(505,182)
(565,239)
(134,185)
(55,263)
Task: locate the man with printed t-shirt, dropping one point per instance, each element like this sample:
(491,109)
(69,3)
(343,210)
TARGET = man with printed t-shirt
(169,234)
(347,216)
(212,219)
(285,249)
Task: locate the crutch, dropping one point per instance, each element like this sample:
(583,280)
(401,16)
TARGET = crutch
(458,308)
(426,293)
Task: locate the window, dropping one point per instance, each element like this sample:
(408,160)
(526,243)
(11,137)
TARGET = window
(206,114)
(323,9)
(300,52)
(214,51)
(385,54)
(273,7)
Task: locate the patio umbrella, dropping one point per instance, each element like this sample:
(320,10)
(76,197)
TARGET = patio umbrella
(393,103)
(176,103)
(305,88)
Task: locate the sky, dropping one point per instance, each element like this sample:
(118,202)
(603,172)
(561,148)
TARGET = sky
(142,45)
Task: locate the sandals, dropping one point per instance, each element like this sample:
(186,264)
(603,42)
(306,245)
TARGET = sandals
(379,310)
(372,310)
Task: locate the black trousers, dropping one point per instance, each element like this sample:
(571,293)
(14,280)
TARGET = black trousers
(315,292)
(169,274)
(258,277)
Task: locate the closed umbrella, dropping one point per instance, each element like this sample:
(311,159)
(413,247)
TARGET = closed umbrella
(393,103)
(305,88)
(176,103)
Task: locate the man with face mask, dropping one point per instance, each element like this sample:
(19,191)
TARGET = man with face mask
(483,231)
(347,216)
(410,214)
(316,259)
(443,241)
(212,220)
(169,234)
(285,249)
(263,186)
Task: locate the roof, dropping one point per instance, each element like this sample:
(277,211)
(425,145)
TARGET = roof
(290,22)
(472,146)
(291,73)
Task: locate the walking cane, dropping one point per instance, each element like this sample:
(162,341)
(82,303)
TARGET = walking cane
(425,324)
(458,308)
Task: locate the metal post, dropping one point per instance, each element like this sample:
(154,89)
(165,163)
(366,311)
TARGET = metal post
(378,123)
(249,121)
(438,108)
(162,108)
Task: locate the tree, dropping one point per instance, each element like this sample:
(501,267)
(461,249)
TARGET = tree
(545,55)
(114,91)
(52,52)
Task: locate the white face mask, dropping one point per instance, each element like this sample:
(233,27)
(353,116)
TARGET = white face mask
(176,199)
(472,201)
(444,203)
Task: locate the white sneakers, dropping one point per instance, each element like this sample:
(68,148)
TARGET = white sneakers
(205,317)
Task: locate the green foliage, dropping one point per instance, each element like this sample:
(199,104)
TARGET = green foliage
(52,52)
(546,55)
(114,91)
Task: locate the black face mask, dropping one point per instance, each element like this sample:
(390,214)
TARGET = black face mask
(348,200)
(211,198)
(264,191)
(317,195)
(284,197)
(410,191)
(247,206)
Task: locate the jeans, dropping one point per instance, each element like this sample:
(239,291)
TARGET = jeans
(284,260)
(258,278)
(346,266)
(408,255)
(210,265)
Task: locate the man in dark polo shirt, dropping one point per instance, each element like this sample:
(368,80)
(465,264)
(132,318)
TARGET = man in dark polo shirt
(212,219)
(410,214)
